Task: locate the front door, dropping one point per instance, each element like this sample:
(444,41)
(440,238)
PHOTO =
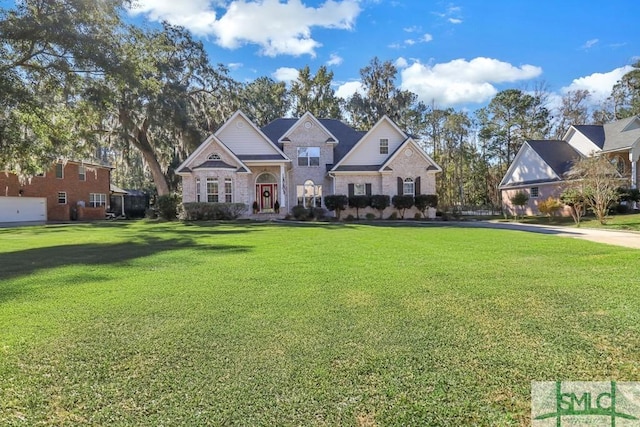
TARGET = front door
(266,194)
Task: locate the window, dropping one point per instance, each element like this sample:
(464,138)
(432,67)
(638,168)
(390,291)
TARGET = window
(618,163)
(534,192)
(359,190)
(62,198)
(97,200)
(228,190)
(82,174)
(214,156)
(59,170)
(308,156)
(198,189)
(212,190)
(384,146)
(409,187)
(309,194)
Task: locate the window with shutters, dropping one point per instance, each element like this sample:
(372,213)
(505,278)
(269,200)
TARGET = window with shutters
(359,190)
(409,188)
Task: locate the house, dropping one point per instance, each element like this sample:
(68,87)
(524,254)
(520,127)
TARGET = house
(539,167)
(70,190)
(299,161)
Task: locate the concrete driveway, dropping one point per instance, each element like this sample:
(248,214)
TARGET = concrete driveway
(627,239)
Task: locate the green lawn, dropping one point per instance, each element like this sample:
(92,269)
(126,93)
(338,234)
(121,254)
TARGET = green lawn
(255,324)
(628,222)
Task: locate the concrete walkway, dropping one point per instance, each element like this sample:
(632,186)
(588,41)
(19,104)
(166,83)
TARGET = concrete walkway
(627,239)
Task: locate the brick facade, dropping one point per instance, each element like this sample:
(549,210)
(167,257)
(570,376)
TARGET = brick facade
(77,192)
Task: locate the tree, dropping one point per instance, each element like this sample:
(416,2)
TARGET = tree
(574,198)
(626,94)
(48,49)
(425,201)
(511,117)
(337,203)
(520,199)
(573,110)
(597,180)
(160,108)
(315,94)
(264,100)
(359,202)
(381,97)
(402,203)
(380,202)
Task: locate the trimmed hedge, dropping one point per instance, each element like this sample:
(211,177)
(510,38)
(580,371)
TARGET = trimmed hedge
(202,211)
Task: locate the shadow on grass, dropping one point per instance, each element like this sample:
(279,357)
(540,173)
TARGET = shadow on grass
(29,261)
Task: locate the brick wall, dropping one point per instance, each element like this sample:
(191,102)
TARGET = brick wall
(96,181)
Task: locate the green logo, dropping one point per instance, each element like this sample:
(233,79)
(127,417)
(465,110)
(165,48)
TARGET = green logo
(580,403)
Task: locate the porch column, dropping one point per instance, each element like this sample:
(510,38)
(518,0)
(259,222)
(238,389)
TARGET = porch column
(633,157)
(283,203)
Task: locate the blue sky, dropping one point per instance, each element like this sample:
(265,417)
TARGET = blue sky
(456,54)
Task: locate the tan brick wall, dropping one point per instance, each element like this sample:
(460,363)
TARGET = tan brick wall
(97,181)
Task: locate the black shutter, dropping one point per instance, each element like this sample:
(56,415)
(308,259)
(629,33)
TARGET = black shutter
(351,191)
(368,189)
(417,186)
(400,186)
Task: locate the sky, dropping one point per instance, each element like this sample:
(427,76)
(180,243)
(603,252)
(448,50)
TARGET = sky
(452,54)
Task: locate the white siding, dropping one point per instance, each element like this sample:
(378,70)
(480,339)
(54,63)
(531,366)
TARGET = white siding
(530,167)
(368,151)
(242,138)
(581,143)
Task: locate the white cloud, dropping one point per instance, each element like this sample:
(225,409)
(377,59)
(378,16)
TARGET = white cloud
(460,81)
(598,84)
(235,65)
(426,38)
(401,63)
(346,90)
(590,43)
(334,60)
(413,29)
(279,28)
(455,21)
(285,74)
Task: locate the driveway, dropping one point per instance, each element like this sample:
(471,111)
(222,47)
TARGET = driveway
(620,238)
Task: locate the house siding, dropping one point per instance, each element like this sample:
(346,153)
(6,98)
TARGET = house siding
(544,192)
(368,151)
(97,181)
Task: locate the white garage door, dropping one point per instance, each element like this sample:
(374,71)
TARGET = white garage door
(23,210)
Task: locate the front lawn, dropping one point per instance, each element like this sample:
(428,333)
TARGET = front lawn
(627,222)
(256,324)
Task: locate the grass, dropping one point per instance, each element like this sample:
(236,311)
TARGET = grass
(628,222)
(257,324)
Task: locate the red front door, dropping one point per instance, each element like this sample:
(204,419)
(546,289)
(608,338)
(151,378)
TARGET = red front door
(266,195)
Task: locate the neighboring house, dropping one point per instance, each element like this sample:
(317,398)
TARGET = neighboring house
(300,161)
(73,190)
(539,168)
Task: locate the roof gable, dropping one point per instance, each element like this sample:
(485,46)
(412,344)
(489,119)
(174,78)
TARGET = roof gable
(540,161)
(410,144)
(200,158)
(307,121)
(622,134)
(243,137)
(367,150)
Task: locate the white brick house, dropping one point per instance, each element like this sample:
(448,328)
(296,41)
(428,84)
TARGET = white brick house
(300,161)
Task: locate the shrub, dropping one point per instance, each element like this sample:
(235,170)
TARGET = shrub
(519,199)
(550,207)
(167,206)
(402,203)
(318,213)
(369,216)
(300,213)
(380,202)
(393,216)
(359,202)
(350,218)
(337,203)
(425,201)
(201,211)
(576,201)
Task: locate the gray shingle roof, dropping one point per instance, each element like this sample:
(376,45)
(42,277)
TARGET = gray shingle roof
(559,155)
(358,168)
(214,164)
(347,137)
(250,157)
(617,138)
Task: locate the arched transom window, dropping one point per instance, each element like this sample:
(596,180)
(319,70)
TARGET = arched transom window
(214,156)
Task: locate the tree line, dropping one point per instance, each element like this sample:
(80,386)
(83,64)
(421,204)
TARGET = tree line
(78,81)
